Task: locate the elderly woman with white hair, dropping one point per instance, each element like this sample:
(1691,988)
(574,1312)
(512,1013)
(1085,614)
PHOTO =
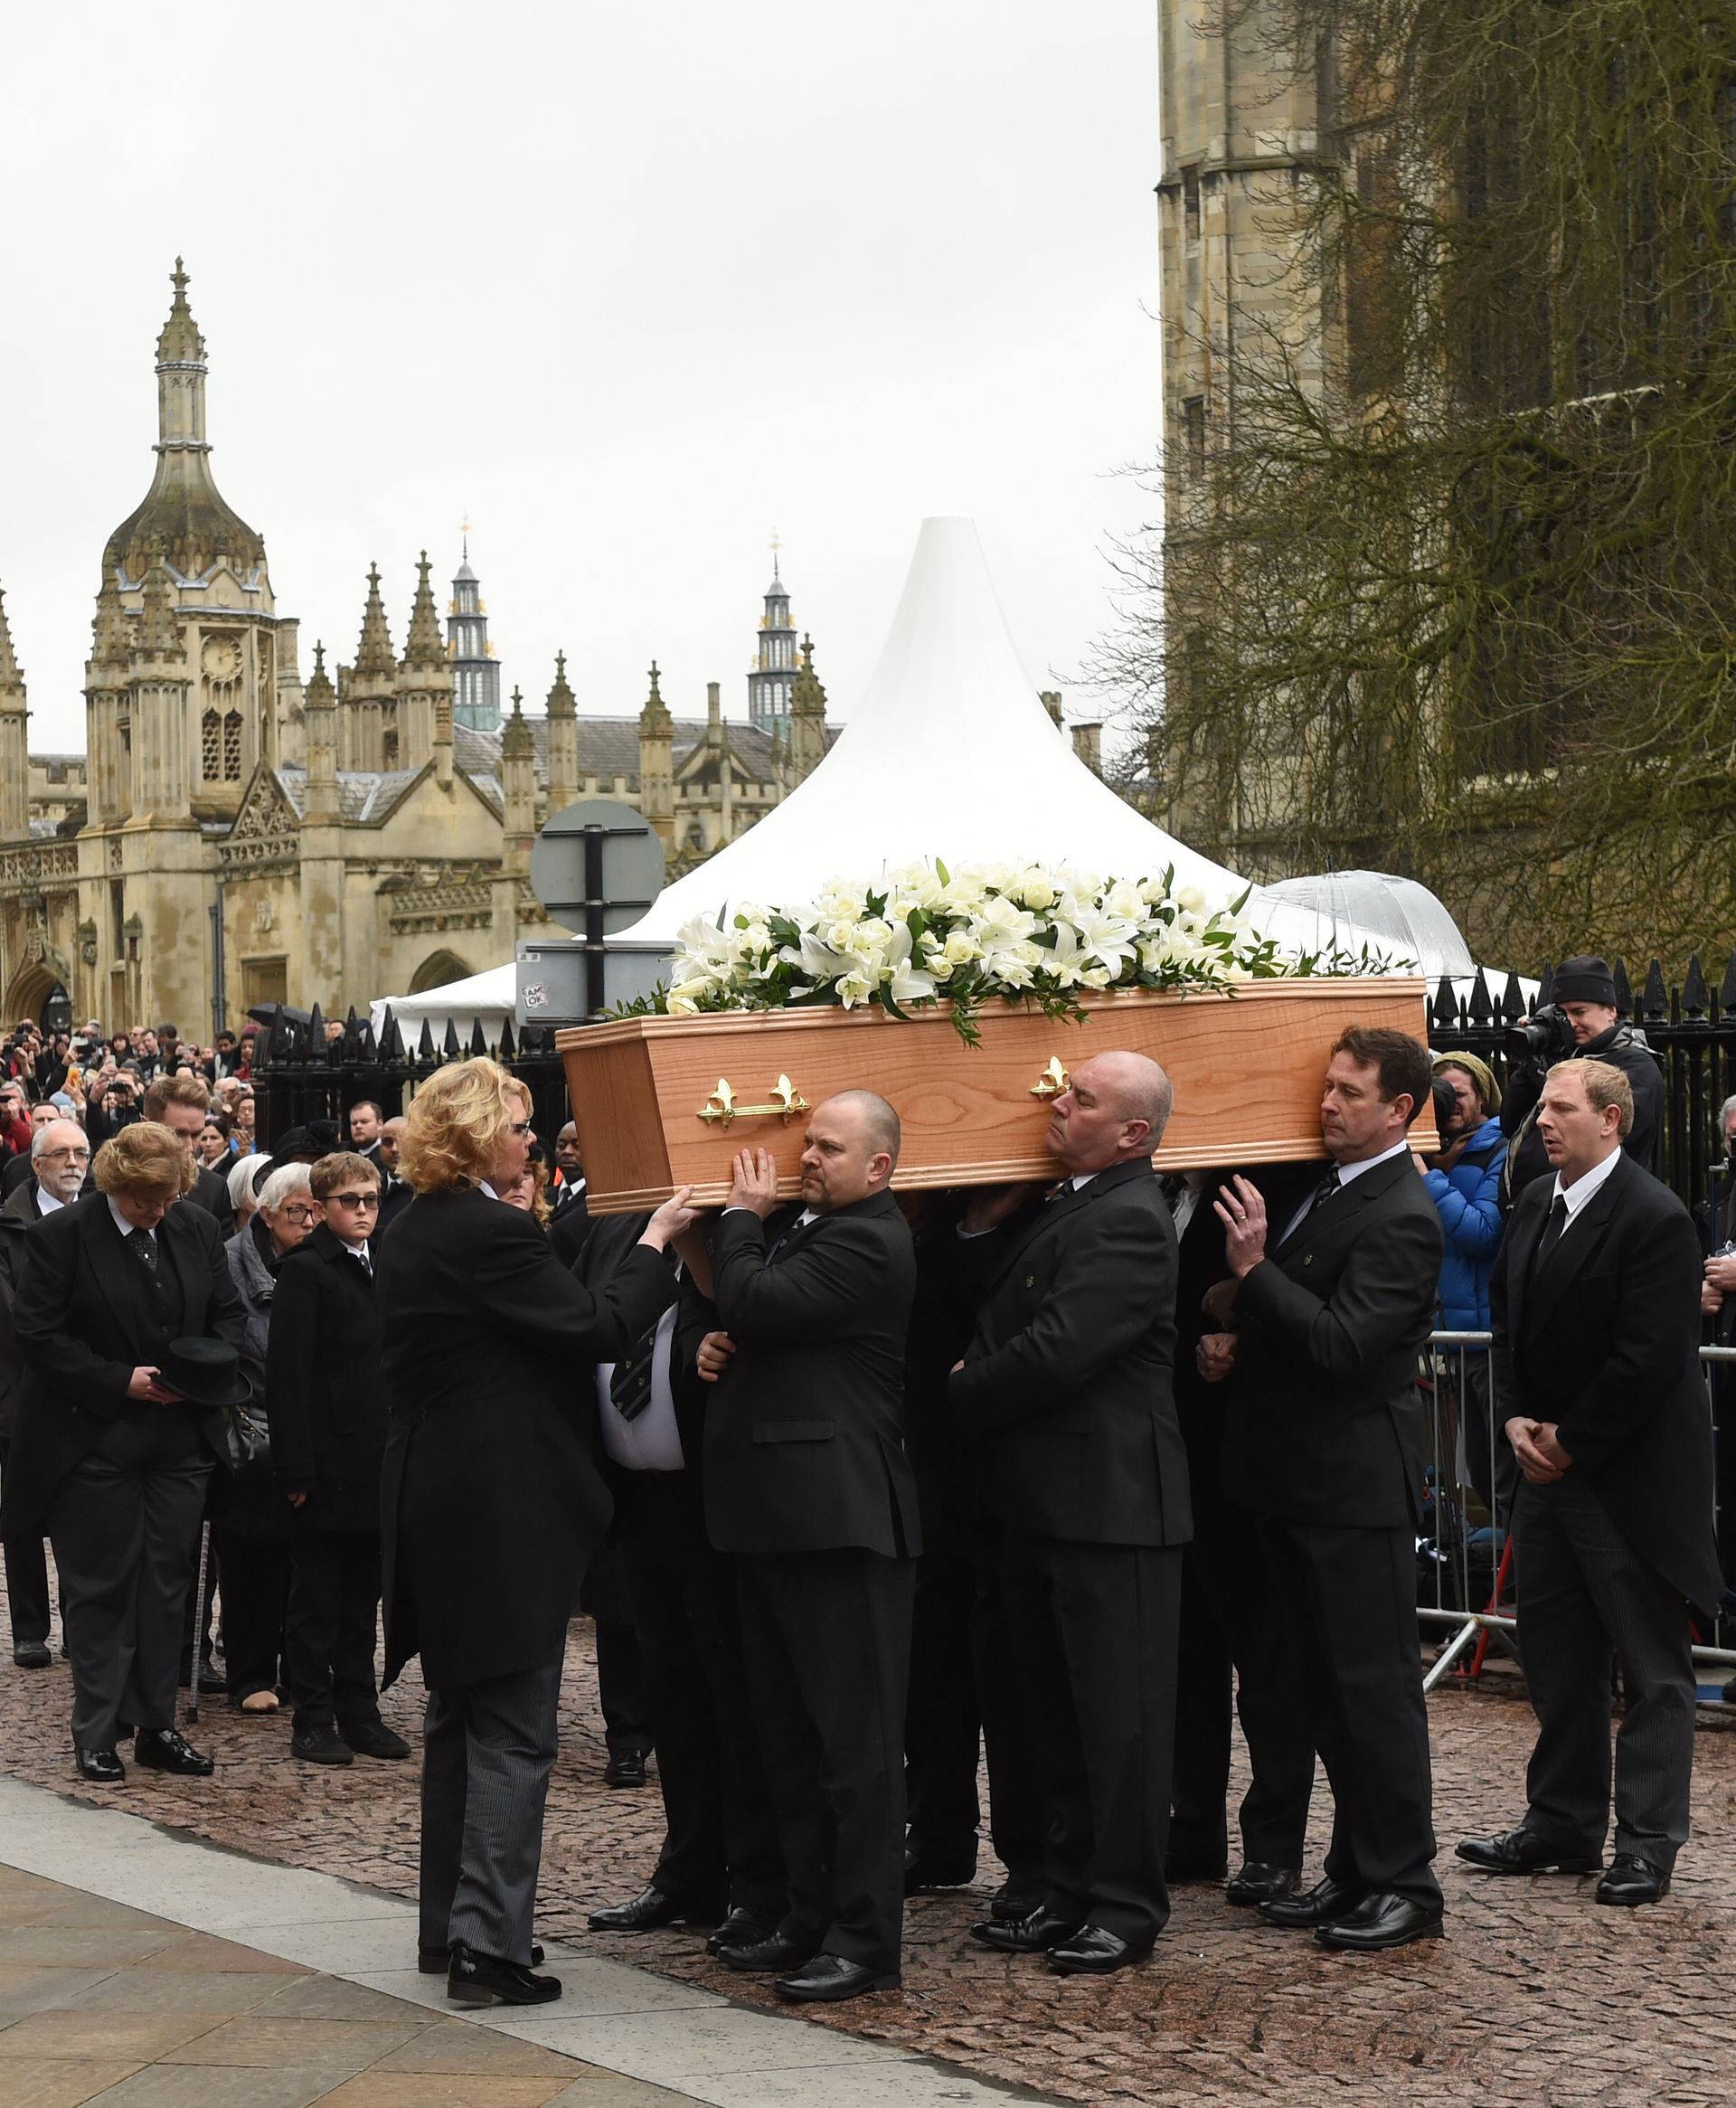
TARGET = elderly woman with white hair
(251,1527)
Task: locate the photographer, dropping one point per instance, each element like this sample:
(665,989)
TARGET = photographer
(114,1104)
(1583,1023)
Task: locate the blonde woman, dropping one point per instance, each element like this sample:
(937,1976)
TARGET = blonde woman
(128,1326)
(492,1503)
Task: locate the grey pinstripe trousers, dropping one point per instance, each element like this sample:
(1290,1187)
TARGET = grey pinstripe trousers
(1586,1598)
(487,1751)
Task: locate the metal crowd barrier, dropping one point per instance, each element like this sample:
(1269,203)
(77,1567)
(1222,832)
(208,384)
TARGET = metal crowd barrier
(1471,1475)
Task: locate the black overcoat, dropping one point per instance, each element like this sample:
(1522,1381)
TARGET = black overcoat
(325,1387)
(491,1502)
(1602,1340)
(1322,1420)
(804,1431)
(1068,1388)
(84,1320)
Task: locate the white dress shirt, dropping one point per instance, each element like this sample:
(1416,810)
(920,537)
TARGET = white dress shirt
(1346,1172)
(652,1442)
(121,1224)
(1582,1188)
(46,1203)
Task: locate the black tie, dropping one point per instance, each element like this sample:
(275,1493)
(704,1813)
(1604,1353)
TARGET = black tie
(1175,1186)
(630,1387)
(1551,1232)
(367,1264)
(144,1247)
(1327,1186)
(786,1235)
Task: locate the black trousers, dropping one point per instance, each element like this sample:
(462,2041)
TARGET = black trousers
(1233,1632)
(1097,1625)
(1588,1600)
(720,1847)
(1351,1598)
(827,1637)
(26,1564)
(253,1576)
(124,1523)
(967,1701)
(330,1626)
(487,1751)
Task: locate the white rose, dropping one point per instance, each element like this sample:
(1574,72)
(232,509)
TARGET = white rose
(1190,898)
(961,948)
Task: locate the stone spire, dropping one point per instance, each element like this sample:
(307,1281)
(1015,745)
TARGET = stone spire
(180,343)
(656,763)
(109,643)
(563,740)
(373,654)
(807,719)
(423,644)
(159,633)
(425,681)
(319,708)
(517,789)
(15,740)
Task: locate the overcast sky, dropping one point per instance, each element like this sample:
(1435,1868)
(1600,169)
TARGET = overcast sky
(634,287)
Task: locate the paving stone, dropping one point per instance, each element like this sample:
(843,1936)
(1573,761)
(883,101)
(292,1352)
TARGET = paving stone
(185,2086)
(379,2089)
(135,2036)
(256,2038)
(450,2047)
(222,1992)
(58,2082)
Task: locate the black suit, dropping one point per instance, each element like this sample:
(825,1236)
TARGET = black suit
(25,1562)
(1067,1392)
(720,1848)
(807,1483)
(119,1483)
(491,1507)
(1323,1444)
(1599,1336)
(211,1192)
(395,1196)
(325,1399)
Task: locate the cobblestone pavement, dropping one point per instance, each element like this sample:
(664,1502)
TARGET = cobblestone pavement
(1537,1995)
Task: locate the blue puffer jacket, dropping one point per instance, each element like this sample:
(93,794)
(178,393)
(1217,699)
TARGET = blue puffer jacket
(1468,1198)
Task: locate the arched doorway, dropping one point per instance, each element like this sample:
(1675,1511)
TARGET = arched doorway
(437,971)
(35,991)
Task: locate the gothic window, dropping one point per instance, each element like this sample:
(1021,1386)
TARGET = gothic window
(1191,205)
(389,746)
(1193,425)
(209,746)
(233,746)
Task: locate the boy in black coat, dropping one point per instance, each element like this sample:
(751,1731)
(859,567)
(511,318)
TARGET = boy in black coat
(325,1398)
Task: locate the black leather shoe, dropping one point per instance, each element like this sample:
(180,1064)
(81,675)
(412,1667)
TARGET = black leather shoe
(1035,1935)
(1093,1952)
(478,1980)
(1327,1901)
(774,1956)
(373,1738)
(437,1961)
(163,1749)
(1379,1921)
(926,1870)
(1255,1882)
(33,1654)
(102,1767)
(741,1928)
(626,1767)
(1017,1896)
(830,1976)
(319,1743)
(1524,1851)
(1631,1879)
(651,1908)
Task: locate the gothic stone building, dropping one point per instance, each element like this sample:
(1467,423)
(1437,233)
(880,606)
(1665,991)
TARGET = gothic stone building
(347,836)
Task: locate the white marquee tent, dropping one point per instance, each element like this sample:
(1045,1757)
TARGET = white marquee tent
(950,753)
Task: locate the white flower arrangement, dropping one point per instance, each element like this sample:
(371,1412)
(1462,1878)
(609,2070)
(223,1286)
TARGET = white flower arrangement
(922,934)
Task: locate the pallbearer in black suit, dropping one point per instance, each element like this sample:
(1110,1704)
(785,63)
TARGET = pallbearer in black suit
(1323,1445)
(491,1504)
(110,1453)
(808,1485)
(1595,1308)
(1066,1389)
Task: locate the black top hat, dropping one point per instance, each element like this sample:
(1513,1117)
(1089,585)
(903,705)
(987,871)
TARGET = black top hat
(206,1372)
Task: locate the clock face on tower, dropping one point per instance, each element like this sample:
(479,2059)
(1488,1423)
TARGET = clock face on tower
(222,658)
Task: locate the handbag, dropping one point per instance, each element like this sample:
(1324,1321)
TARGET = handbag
(247,1437)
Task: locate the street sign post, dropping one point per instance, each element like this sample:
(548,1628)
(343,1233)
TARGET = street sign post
(596,867)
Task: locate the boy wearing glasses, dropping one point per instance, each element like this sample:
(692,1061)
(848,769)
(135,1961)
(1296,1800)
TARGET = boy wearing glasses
(325,1398)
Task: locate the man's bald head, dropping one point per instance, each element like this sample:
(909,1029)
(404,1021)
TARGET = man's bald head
(1115,1108)
(850,1150)
(879,1124)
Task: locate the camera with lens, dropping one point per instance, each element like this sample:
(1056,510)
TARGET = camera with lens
(1545,1035)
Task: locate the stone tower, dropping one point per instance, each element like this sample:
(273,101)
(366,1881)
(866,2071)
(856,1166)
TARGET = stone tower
(367,692)
(772,676)
(563,740)
(476,674)
(806,719)
(425,695)
(657,763)
(15,740)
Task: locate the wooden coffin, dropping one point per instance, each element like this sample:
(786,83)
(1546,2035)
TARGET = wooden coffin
(650,1094)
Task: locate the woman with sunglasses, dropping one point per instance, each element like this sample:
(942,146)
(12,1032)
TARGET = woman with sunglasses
(325,1398)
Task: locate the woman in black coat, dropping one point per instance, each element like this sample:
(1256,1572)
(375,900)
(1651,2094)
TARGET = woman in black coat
(492,1503)
(111,1461)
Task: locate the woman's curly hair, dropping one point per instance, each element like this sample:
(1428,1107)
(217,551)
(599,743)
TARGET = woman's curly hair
(146,1162)
(456,1122)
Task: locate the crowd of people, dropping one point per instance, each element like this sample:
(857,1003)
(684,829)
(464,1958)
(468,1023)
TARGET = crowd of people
(868,1485)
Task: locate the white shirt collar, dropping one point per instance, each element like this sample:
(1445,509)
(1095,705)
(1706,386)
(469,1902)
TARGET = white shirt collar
(1585,1186)
(1346,1172)
(482,1186)
(121,1224)
(46,1203)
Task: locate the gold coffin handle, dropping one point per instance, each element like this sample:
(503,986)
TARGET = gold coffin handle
(1052,1081)
(721,1108)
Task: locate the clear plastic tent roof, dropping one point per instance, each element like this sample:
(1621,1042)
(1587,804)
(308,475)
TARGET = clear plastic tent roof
(1400,914)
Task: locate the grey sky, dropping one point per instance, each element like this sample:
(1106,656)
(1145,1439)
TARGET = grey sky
(633,286)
